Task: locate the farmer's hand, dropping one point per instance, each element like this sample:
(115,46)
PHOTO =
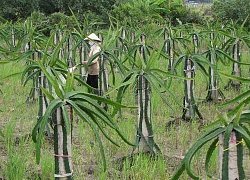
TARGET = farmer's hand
(72,69)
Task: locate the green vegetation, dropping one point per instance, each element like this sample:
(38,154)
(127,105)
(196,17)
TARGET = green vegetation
(157,71)
(145,11)
(235,10)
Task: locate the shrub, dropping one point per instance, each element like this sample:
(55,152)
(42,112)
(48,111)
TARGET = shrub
(139,13)
(58,18)
(185,15)
(236,10)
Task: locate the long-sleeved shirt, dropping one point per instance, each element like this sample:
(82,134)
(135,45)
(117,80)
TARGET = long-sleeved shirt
(93,68)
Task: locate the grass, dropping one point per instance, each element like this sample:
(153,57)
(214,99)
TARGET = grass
(17,151)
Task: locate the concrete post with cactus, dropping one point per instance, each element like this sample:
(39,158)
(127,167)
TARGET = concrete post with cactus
(236,66)
(62,134)
(62,145)
(70,58)
(145,138)
(83,58)
(214,92)
(190,107)
(169,48)
(234,154)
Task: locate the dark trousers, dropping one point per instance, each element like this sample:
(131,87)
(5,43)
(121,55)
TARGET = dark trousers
(92,80)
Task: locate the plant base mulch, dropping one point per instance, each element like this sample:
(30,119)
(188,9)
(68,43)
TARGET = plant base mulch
(176,123)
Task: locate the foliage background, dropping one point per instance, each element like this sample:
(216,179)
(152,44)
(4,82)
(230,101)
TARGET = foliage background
(131,12)
(236,10)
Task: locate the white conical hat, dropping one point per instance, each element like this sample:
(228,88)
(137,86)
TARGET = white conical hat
(93,37)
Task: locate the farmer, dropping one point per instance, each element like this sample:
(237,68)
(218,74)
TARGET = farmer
(93,67)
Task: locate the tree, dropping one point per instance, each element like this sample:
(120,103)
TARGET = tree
(14,10)
(229,137)
(147,78)
(171,37)
(237,39)
(48,7)
(214,53)
(137,13)
(191,61)
(236,10)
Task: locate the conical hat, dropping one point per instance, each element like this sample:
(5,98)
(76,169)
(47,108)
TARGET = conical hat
(93,37)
